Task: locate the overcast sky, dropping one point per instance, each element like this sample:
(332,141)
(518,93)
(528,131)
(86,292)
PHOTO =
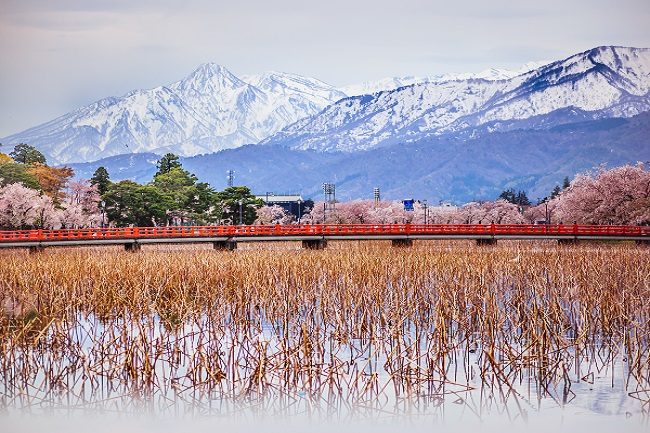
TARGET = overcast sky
(58,55)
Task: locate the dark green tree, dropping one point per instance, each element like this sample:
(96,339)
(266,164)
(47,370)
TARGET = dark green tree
(566,183)
(508,195)
(129,203)
(190,200)
(26,154)
(17,173)
(101,179)
(556,191)
(167,163)
(521,199)
(229,200)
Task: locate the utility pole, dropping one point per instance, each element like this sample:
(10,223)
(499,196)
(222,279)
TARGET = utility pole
(426,210)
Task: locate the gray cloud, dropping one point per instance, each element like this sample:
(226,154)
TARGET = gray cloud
(58,55)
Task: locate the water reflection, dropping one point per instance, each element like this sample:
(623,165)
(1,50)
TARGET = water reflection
(211,366)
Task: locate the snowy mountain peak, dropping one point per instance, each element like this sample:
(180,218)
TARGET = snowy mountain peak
(209,110)
(209,78)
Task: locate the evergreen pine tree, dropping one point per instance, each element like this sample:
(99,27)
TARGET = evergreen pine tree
(101,180)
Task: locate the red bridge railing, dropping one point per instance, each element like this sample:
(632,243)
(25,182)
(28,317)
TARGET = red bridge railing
(323,230)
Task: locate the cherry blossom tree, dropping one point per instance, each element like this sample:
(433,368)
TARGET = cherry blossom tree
(80,206)
(442,214)
(489,212)
(360,212)
(22,207)
(275,214)
(617,196)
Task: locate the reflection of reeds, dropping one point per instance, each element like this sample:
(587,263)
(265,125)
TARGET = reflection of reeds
(354,328)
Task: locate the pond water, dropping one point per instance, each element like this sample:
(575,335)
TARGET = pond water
(149,374)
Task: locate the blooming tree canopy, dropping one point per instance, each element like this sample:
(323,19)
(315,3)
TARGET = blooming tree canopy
(618,196)
(22,207)
(273,215)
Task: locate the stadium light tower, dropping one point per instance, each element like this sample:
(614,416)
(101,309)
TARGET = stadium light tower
(330,196)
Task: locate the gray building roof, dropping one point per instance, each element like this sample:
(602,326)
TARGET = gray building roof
(280,198)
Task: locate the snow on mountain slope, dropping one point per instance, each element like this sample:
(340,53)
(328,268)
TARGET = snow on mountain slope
(599,83)
(492,74)
(209,110)
(212,109)
(282,83)
(137,122)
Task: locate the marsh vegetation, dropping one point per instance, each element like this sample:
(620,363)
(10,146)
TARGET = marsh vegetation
(359,329)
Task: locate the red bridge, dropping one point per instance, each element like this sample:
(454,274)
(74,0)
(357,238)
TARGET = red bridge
(315,236)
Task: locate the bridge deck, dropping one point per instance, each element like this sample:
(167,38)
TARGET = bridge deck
(310,232)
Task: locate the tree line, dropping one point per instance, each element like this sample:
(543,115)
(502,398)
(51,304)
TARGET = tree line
(174,197)
(36,195)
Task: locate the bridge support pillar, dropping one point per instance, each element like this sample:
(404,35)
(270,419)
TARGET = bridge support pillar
(133,247)
(36,249)
(486,241)
(402,243)
(314,244)
(568,241)
(224,245)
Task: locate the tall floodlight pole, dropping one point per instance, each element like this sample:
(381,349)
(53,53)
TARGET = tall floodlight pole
(376,195)
(231,177)
(330,197)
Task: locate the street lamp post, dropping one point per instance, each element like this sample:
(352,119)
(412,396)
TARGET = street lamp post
(241,213)
(103,205)
(299,204)
(546,215)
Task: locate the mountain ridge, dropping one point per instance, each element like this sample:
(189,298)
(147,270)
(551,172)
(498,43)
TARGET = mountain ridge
(604,81)
(210,109)
(438,168)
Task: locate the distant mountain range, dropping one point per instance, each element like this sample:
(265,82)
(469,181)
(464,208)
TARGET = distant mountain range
(456,137)
(438,168)
(209,110)
(600,83)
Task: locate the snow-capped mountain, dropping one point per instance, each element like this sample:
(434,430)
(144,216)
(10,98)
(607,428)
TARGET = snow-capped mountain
(600,83)
(392,83)
(212,109)
(209,110)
